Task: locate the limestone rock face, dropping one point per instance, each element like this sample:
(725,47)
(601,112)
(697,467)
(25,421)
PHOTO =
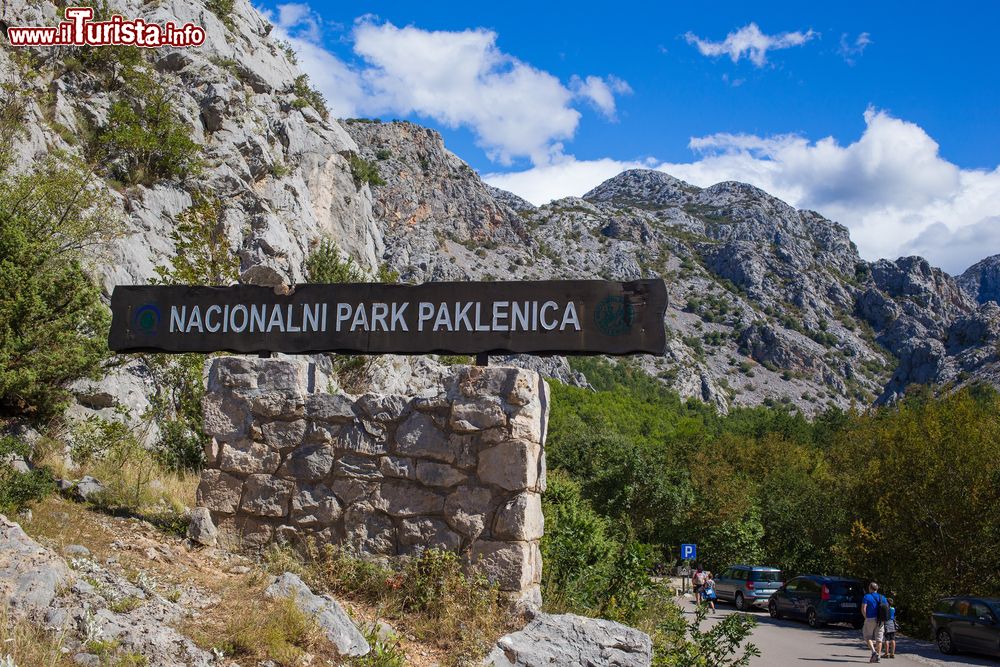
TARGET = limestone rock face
(567,639)
(981,281)
(38,585)
(30,575)
(460,468)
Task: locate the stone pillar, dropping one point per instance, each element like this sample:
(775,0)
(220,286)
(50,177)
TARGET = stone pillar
(382,475)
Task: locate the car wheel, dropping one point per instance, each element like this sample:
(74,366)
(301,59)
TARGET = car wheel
(857,625)
(944,642)
(772,609)
(813,620)
(740,603)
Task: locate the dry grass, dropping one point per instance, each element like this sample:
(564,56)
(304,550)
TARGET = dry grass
(28,644)
(250,628)
(432,599)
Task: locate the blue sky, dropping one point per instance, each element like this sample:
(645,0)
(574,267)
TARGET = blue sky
(879,116)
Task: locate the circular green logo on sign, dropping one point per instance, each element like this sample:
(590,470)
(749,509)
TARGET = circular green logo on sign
(614,316)
(146,319)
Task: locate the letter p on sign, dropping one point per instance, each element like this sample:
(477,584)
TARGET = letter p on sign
(689,551)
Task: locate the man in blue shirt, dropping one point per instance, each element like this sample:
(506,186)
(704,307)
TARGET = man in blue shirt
(873,629)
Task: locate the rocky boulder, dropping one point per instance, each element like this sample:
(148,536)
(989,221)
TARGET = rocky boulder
(30,575)
(327,612)
(568,639)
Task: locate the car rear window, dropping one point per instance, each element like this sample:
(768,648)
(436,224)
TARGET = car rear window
(767,576)
(944,606)
(846,588)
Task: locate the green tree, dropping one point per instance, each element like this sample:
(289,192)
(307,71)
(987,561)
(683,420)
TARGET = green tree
(202,254)
(53,326)
(921,483)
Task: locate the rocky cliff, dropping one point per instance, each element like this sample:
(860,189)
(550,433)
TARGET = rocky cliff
(768,304)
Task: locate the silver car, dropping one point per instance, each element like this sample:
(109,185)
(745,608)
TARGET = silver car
(747,585)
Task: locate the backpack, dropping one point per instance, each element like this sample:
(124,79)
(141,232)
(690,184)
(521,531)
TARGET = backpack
(883,610)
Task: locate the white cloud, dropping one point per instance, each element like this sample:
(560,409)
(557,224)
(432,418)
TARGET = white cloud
(462,78)
(568,177)
(298,25)
(890,187)
(851,51)
(958,248)
(749,41)
(458,78)
(601,92)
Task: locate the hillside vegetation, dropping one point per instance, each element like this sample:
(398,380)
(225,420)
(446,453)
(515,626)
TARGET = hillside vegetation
(907,495)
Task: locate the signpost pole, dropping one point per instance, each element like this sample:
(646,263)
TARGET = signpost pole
(482,359)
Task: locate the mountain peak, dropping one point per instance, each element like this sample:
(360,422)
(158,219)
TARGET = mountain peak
(981,281)
(645,187)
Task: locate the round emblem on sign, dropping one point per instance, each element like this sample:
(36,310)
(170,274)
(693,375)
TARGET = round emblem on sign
(614,316)
(146,319)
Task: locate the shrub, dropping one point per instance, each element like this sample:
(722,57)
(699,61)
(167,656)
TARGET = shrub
(325,265)
(223,9)
(307,96)
(18,489)
(588,570)
(202,254)
(681,644)
(113,65)
(52,322)
(145,139)
(286,47)
(113,451)
(363,171)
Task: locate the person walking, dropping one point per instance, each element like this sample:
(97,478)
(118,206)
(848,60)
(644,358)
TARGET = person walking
(698,582)
(875,610)
(708,591)
(891,627)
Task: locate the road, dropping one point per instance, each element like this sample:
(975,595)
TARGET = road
(784,643)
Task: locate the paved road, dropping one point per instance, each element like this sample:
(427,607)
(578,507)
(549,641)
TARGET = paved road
(784,643)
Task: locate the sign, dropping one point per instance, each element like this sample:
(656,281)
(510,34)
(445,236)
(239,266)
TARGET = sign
(689,551)
(536,317)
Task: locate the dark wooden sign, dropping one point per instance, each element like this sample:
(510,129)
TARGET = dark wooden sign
(538,317)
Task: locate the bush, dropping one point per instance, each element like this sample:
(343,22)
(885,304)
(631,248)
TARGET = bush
(325,265)
(145,139)
(223,9)
(113,451)
(113,65)
(681,644)
(307,96)
(363,171)
(17,489)
(202,254)
(53,326)
(588,569)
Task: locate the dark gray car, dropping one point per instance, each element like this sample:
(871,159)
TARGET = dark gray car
(747,585)
(967,624)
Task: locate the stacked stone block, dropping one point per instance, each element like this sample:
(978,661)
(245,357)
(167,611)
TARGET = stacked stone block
(382,475)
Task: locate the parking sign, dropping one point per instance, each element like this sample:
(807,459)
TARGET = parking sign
(689,551)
